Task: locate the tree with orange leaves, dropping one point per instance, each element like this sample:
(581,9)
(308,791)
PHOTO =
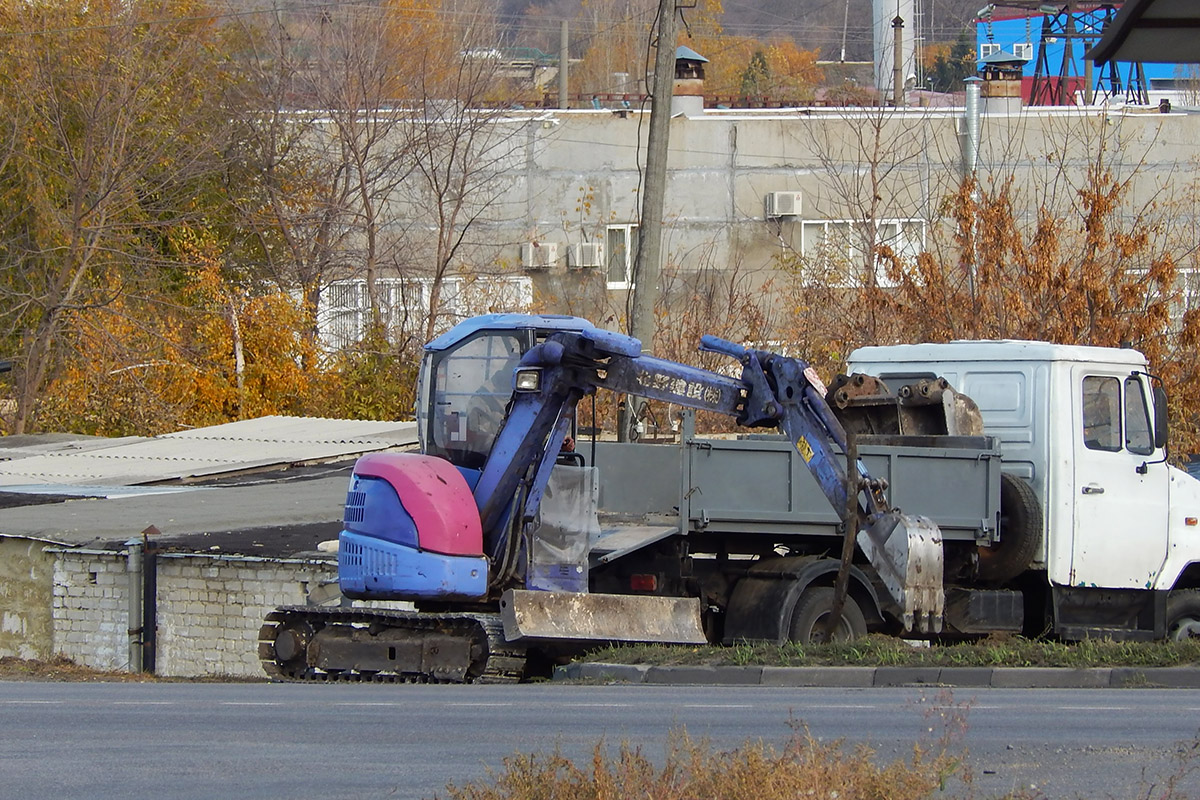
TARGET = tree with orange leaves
(117,120)
(211,350)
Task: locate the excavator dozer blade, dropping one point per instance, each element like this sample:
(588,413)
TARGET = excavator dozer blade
(906,551)
(564,616)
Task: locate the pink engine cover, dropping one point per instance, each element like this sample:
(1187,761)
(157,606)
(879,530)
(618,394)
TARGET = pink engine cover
(435,495)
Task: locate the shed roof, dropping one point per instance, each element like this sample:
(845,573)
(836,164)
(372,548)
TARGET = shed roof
(271,487)
(273,517)
(264,443)
(1153,31)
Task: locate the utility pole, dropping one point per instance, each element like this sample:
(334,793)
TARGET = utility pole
(563,53)
(647,266)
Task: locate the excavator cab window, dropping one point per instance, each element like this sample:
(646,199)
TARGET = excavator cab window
(462,394)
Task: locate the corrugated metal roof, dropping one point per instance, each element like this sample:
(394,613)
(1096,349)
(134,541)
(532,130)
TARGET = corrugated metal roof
(203,452)
(273,517)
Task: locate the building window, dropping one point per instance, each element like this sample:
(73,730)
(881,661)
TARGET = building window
(1023,50)
(987,48)
(341,320)
(405,303)
(836,248)
(621,248)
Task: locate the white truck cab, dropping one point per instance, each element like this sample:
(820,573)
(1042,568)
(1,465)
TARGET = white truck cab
(1086,429)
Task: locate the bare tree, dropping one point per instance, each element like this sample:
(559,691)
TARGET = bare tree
(869,194)
(112,147)
(460,146)
(293,190)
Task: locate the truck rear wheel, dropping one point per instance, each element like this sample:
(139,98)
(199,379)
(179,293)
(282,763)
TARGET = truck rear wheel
(812,614)
(1183,615)
(1020,532)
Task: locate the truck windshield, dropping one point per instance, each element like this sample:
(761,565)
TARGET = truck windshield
(464,391)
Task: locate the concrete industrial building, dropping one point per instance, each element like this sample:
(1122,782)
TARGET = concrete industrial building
(753,190)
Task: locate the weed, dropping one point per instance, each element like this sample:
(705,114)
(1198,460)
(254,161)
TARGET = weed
(804,767)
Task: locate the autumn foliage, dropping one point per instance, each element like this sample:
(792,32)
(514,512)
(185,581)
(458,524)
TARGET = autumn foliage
(1098,277)
(172,208)
(214,352)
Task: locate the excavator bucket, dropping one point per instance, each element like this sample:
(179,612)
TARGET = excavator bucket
(565,616)
(906,551)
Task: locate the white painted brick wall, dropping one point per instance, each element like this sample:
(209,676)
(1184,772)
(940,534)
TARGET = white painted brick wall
(210,610)
(90,609)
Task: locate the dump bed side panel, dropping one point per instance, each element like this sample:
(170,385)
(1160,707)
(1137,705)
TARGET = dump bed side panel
(761,485)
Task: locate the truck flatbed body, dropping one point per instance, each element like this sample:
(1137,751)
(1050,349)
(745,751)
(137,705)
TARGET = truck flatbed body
(760,485)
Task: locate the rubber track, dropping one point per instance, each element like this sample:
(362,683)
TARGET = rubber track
(505,662)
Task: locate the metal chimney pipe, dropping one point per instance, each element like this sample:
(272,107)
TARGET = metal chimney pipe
(971,150)
(134,568)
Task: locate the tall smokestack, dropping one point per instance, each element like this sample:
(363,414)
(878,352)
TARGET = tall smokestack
(897,62)
(883,12)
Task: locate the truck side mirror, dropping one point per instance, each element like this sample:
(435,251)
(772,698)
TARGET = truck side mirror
(1160,416)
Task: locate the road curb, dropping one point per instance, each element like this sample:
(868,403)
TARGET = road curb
(869,677)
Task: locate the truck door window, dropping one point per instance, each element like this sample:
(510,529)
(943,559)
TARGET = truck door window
(1102,413)
(1137,419)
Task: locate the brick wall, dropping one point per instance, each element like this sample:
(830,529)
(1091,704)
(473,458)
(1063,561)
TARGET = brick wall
(209,608)
(91,609)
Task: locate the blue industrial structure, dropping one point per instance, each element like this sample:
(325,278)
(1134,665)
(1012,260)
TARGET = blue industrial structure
(1052,39)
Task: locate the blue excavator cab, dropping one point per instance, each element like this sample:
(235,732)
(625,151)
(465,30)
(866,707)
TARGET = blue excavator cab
(389,551)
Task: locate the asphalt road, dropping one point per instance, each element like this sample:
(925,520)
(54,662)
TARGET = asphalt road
(180,740)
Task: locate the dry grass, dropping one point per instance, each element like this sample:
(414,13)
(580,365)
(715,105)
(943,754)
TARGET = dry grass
(885,651)
(60,669)
(803,768)
(64,669)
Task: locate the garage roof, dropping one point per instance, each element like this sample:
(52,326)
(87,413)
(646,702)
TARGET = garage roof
(265,443)
(267,487)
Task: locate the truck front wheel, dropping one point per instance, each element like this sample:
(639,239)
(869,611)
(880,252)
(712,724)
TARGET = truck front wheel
(810,618)
(1183,615)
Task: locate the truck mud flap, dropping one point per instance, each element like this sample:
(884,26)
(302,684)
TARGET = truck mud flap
(906,552)
(530,616)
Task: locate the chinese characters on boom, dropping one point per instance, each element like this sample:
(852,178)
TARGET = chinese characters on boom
(681,387)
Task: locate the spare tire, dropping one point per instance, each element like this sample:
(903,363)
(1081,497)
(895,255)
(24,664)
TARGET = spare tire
(1020,532)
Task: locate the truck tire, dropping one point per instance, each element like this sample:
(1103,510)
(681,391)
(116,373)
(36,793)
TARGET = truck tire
(812,611)
(1020,532)
(1183,615)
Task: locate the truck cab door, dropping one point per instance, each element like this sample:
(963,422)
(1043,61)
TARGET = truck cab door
(1120,497)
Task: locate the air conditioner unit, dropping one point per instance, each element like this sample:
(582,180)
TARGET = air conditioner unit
(782,204)
(585,255)
(539,255)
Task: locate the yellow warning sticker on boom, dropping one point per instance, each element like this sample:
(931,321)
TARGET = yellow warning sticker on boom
(806,451)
